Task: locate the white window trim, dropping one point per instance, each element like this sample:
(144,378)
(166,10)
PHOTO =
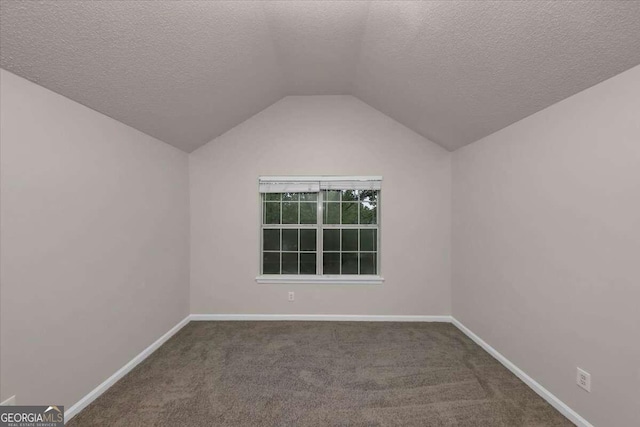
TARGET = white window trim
(325,178)
(355,279)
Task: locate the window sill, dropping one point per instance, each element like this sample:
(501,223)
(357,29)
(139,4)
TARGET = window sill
(314,280)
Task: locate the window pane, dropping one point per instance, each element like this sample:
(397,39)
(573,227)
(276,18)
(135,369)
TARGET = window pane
(350,195)
(271,263)
(345,250)
(368,213)
(272,212)
(349,240)
(289,240)
(290,212)
(368,239)
(332,195)
(289,263)
(308,214)
(370,196)
(368,263)
(331,263)
(332,213)
(331,240)
(349,213)
(349,263)
(307,240)
(308,263)
(291,197)
(271,240)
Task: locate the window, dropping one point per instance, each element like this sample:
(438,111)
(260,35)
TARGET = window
(320,230)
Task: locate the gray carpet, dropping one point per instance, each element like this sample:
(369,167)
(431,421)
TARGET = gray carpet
(319,374)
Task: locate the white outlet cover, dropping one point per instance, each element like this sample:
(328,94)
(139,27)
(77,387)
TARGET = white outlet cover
(583,379)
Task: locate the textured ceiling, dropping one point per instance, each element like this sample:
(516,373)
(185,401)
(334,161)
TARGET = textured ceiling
(187,71)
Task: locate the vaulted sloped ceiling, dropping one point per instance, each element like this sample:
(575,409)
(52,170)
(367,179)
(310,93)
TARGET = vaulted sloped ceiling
(188,71)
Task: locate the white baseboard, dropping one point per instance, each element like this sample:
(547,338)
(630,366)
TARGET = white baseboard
(565,410)
(9,402)
(96,392)
(319,317)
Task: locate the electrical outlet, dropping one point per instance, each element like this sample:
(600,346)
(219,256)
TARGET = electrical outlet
(291,296)
(583,380)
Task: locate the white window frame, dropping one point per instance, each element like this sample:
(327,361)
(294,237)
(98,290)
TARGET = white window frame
(320,278)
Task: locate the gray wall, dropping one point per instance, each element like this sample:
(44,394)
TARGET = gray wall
(94,244)
(546,246)
(321,135)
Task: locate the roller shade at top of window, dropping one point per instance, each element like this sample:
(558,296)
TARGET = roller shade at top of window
(351,185)
(289,187)
(315,184)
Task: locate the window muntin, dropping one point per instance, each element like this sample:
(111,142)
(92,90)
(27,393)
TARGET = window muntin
(289,233)
(331,232)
